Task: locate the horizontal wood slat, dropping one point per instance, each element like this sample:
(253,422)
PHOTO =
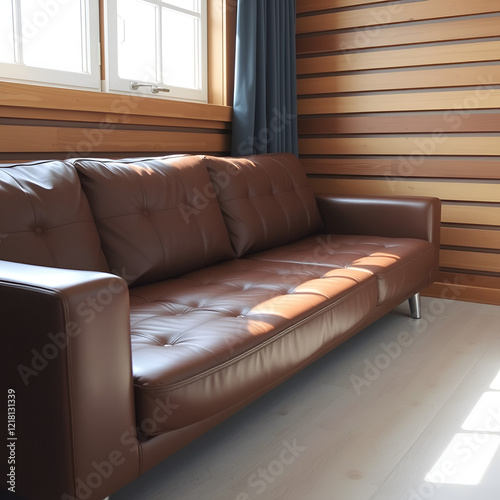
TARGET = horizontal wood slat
(315,5)
(90,141)
(474,238)
(477,76)
(475,280)
(475,261)
(456,168)
(401,58)
(395,13)
(400,123)
(97,118)
(451,191)
(470,214)
(378,36)
(467,292)
(411,146)
(467,100)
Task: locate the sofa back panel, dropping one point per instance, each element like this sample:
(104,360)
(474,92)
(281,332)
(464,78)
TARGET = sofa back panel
(45,218)
(265,199)
(157,217)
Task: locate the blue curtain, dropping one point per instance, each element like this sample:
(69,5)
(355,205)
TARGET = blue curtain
(265,95)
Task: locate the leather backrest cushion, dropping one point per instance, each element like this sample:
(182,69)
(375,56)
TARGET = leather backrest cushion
(45,218)
(265,200)
(157,217)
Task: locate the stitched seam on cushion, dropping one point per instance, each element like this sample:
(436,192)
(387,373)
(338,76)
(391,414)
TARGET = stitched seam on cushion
(288,222)
(149,337)
(274,338)
(296,187)
(53,227)
(131,214)
(398,269)
(214,201)
(259,216)
(198,228)
(144,200)
(293,190)
(257,196)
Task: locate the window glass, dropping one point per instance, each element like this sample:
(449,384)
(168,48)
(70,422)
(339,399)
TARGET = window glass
(181,49)
(137,48)
(6,33)
(193,5)
(52,39)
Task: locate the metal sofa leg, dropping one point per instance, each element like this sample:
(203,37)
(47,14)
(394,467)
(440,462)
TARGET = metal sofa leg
(415,306)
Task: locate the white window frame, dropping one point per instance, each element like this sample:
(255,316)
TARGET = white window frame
(115,84)
(90,80)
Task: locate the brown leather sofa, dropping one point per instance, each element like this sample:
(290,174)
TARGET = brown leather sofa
(145,301)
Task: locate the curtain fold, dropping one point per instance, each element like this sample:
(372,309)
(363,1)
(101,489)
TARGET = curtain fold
(265,95)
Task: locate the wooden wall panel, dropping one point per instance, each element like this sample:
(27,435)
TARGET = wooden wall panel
(486,215)
(473,238)
(453,77)
(391,167)
(450,102)
(443,31)
(436,144)
(315,5)
(42,122)
(392,13)
(404,98)
(401,58)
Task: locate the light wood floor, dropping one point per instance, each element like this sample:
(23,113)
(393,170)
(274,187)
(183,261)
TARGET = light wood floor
(372,420)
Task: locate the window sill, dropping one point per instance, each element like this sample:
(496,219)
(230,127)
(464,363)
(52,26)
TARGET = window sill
(16,95)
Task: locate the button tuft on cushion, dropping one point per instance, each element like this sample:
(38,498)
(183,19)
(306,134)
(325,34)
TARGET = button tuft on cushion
(174,238)
(70,237)
(266,202)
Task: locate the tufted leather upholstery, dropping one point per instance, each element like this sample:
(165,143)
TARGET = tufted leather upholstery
(153,216)
(397,263)
(45,218)
(265,199)
(208,339)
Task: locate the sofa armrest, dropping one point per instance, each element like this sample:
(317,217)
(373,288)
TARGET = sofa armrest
(66,371)
(390,216)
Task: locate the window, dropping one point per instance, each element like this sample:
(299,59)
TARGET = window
(50,42)
(157,47)
(153,47)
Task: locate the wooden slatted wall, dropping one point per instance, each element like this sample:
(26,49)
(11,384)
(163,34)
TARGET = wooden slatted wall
(41,122)
(403,97)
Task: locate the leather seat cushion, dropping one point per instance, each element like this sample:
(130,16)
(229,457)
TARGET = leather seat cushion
(399,264)
(157,217)
(45,218)
(209,339)
(265,199)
